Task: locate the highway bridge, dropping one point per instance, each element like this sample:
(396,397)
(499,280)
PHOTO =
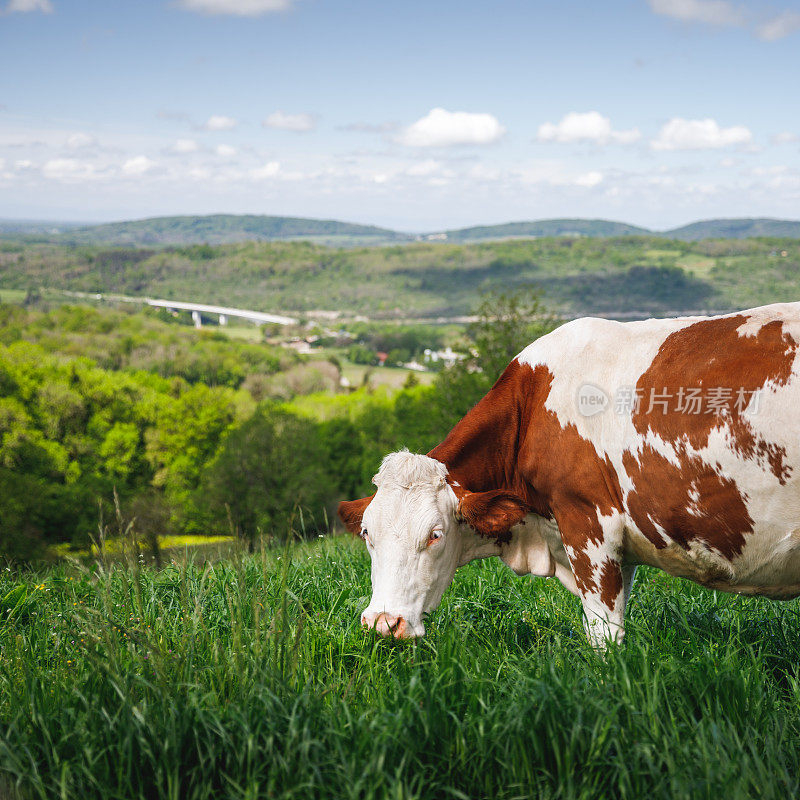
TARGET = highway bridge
(223,312)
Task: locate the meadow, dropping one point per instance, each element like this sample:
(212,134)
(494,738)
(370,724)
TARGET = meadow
(251,677)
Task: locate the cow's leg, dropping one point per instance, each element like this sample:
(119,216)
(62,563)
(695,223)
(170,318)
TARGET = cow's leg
(604,607)
(593,546)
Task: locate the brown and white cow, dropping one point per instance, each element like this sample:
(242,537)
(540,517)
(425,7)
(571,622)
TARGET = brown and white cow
(604,445)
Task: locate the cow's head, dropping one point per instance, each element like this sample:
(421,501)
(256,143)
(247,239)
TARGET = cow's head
(418,529)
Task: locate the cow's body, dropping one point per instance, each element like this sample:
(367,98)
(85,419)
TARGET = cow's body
(709,493)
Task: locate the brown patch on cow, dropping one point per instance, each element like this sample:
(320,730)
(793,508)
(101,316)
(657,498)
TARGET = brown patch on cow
(351,512)
(689,501)
(492,513)
(711,354)
(509,440)
(481,451)
(582,569)
(610,582)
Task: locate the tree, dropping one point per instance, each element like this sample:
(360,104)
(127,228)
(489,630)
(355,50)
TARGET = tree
(269,479)
(507,323)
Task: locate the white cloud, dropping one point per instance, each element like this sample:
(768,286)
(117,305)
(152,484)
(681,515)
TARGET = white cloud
(298,123)
(66,169)
(424,168)
(26,6)
(138,165)
(779,26)
(218,122)
(269,170)
(589,179)
(236,8)
(441,128)
(590,126)
(225,151)
(76,141)
(554,173)
(785,137)
(185,146)
(199,173)
(710,12)
(699,134)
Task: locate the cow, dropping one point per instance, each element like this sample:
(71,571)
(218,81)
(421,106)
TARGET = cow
(604,445)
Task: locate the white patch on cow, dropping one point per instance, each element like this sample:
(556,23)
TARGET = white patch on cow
(758,317)
(693,507)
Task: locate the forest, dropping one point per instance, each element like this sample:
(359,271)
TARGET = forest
(622,276)
(106,412)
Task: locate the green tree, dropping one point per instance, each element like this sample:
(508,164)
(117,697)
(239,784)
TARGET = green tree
(508,321)
(269,479)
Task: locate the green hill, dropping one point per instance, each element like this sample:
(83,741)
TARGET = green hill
(225,229)
(218,229)
(616,276)
(735,229)
(543,227)
(33,227)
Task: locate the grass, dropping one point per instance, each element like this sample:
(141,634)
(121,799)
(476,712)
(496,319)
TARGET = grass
(119,547)
(393,377)
(250,678)
(12,295)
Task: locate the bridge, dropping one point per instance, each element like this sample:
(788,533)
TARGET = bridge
(223,312)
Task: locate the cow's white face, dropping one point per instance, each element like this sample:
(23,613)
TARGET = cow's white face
(414,543)
(417,533)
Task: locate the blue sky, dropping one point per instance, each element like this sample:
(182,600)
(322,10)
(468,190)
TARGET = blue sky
(413,115)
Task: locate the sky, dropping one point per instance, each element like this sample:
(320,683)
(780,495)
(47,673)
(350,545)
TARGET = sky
(417,116)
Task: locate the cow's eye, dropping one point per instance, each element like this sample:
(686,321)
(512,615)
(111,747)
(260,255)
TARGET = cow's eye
(365,536)
(434,536)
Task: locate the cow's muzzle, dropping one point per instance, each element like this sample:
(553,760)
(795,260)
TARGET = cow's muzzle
(388,625)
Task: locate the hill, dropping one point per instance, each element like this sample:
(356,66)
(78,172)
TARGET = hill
(231,228)
(543,227)
(735,229)
(622,276)
(32,227)
(225,229)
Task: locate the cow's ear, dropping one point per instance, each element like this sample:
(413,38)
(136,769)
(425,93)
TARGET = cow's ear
(492,513)
(351,512)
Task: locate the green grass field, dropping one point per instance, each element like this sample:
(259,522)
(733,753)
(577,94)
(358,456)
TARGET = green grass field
(250,678)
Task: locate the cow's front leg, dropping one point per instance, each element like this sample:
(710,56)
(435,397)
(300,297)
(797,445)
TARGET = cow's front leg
(604,605)
(592,544)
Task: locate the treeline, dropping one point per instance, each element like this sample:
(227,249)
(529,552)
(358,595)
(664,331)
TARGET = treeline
(399,343)
(143,339)
(195,458)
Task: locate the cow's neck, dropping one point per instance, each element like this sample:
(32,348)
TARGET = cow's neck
(481,452)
